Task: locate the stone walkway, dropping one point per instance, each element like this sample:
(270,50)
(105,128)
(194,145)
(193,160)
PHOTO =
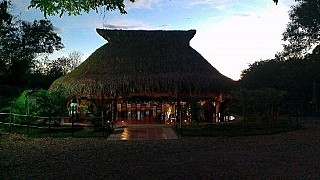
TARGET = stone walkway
(143,132)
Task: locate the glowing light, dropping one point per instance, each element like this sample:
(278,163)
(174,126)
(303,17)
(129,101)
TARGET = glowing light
(168,112)
(125,135)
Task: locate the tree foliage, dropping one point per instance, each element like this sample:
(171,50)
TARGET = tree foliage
(298,77)
(46,70)
(5,17)
(21,42)
(264,103)
(76,7)
(37,103)
(263,74)
(303,31)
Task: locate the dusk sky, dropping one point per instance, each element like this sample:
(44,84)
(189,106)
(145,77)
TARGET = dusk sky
(231,34)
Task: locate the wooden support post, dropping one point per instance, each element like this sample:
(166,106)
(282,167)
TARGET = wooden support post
(102,123)
(114,113)
(10,116)
(72,122)
(28,119)
(49,128)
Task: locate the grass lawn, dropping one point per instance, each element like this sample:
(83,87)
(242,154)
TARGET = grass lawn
(240,128)
(62,131)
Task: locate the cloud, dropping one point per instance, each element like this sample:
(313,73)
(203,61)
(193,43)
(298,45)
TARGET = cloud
(20,5)
(58,30)
(163,26)
(132,24)
(243,15)
(143,4)
(124,24)
(221,4)
(287,3)
(231,44)
(112,26)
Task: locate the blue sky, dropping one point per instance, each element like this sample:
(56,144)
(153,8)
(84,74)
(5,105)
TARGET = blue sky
(231,34)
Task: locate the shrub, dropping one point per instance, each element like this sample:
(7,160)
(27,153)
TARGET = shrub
(36,103)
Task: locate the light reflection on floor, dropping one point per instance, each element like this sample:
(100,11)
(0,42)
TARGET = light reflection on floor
(143,134)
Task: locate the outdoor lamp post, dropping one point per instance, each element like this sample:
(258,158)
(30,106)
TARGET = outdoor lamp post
(72,113)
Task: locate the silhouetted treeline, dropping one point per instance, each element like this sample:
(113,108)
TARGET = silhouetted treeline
(299,78)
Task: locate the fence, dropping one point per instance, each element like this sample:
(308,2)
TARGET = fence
(40,126)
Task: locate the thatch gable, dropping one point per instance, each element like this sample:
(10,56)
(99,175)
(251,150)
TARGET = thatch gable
(144,63)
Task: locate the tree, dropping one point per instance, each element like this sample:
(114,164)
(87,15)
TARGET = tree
(74,60)
(297,77)
(21,42)
(46,70)
(303,31)
(5,17)
(263,74)
(64,65)
(76,7)
(264,103)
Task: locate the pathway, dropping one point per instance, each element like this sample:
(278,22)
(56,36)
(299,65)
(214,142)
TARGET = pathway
(143,132)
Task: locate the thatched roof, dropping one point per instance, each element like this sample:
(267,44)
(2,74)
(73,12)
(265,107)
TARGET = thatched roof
(144,63)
